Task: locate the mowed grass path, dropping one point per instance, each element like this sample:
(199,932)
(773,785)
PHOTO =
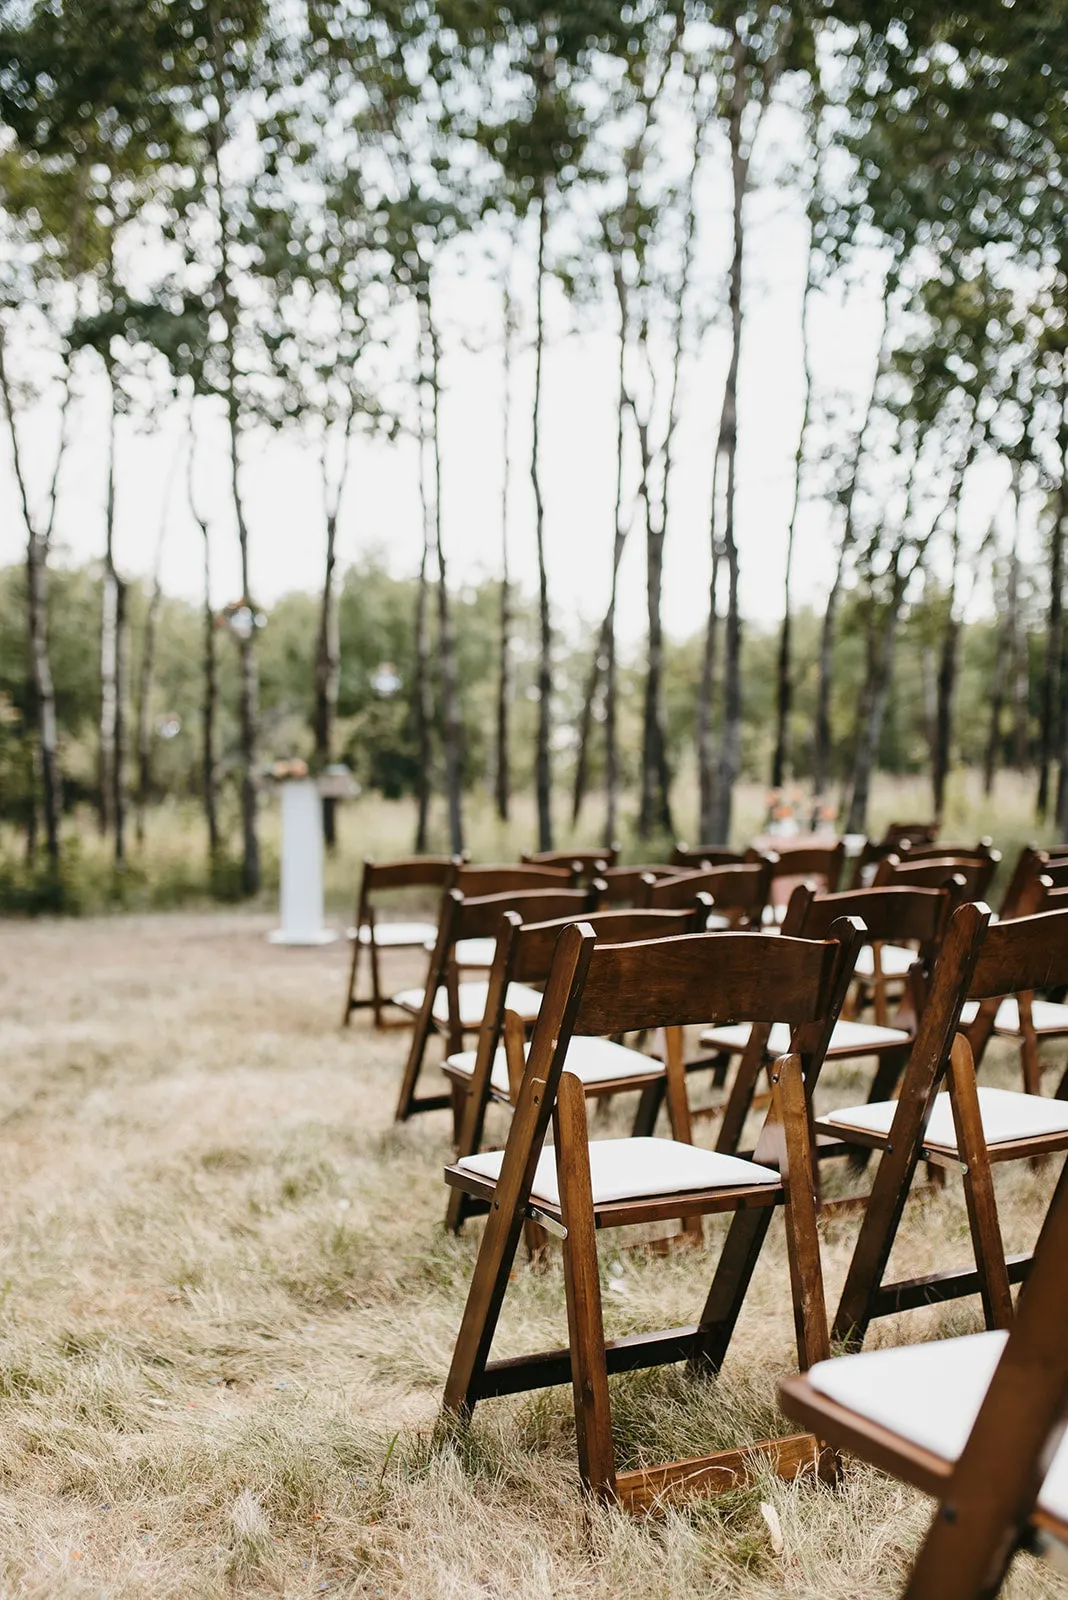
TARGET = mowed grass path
(227,1307)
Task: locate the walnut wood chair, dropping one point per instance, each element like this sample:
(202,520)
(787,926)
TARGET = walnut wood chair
(702,855)
(476,882)
(577,1187)
(982,851)
(371,935)
(1026,1018)
(738,894)
(882,969)
(625,886)
(976,1422)
(446,1005)
(898,840)
(494,1071)
(815,864)
(591,862)
(966,1130)
(917,915)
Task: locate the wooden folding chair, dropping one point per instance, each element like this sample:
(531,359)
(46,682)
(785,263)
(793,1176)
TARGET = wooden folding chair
(737,895)
(882,968)
(625,886)
(494,1070)
(576,1187)
(916,915)
(706,855)
(446,1005)
(476,882)
(370,935)
(818,865)
(898,839)
(976,1422)
(591,862)
(983,850)
(967,1129)
(1029,1020)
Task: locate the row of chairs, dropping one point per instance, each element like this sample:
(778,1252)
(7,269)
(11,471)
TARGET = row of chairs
(775,1004)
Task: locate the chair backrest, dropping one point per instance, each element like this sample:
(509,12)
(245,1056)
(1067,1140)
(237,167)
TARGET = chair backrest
(591,861)
(739,893)
(896,914)
(819,862)
(1023,954)
(505,879)
(479,916)
(698,855)
(910,833)
(936,871)
(1056,872)
(983,851)
(625,886)
(410,872)
(710,978)
(535,942)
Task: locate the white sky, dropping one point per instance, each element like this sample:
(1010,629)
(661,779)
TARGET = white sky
(382,511)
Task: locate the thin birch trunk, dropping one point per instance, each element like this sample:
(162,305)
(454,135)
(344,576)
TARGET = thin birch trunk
(543,757)
(209,665)
(502,773)
(328,639)
(147,671)
(1002,651)
(452,722)
(611,686)
(38,546)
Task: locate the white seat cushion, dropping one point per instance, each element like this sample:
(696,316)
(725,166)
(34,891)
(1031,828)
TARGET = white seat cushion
(590,1059)
(470,952)
(397,934)
(1006,1114)
(848,1038)
(894,961)
(519,998)
(1047,1015)
(930,1394)
(634,1169)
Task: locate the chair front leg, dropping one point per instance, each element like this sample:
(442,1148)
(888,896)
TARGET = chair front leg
(585,1319)
(983,1222)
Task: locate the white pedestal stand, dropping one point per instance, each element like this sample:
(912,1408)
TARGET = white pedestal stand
(302,866)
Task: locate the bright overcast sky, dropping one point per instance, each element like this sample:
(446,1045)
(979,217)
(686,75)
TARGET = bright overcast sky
(382,511)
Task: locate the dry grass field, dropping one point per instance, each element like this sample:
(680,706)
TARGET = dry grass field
(227,1306)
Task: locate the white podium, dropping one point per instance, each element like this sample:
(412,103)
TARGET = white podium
(302,866)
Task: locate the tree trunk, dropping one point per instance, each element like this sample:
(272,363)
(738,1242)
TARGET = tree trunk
(502,771)
(780,760)
(452,722)
(821,744)
(144,706)
(327,673)
(38,544)
(1002,649)
(882,634)
(1051,667)
(108,779)
(706,693)
(423,708)
(209,667)
(655,807)
(543,757)
(729,760)
(248,693)
(619,540)
(946,689)
(1020,666)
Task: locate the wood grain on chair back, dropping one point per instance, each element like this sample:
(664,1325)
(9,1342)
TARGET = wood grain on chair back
(711,978)
(591,861)
(740,891)
(810,861)
(698,855)
(1023,954)
(937,871)
(895,914)
(534,943)
(411,872)
(479,916)
(507,878)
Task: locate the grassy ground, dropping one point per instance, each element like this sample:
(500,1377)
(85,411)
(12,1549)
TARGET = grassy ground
(227,1307)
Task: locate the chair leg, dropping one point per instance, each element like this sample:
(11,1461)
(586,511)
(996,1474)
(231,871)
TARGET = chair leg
(987,1242)
(1030,1062)
(414,1064)
(376,982)
(649,1102)
(354,976)
(887,1077)
(585,1321)
(740,1098)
